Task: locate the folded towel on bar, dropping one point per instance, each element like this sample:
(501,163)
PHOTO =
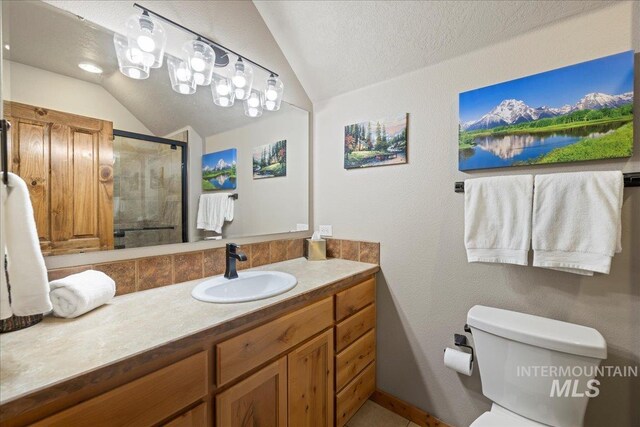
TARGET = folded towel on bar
(79,293)
(497,219)
(577,223)
(27,274)
(214,210)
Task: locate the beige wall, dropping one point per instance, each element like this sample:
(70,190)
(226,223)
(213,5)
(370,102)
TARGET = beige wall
(269,205)
(426,286)
(34,86)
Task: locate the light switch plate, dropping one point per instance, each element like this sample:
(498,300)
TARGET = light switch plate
(325,230)
(302,227)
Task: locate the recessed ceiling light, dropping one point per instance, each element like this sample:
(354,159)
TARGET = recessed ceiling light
(90,68)
(6,46)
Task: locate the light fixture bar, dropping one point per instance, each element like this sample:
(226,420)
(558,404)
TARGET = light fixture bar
(208,40)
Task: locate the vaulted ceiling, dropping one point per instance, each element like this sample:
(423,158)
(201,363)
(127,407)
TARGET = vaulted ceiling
(338,46)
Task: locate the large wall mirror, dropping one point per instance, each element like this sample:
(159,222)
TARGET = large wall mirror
(114,162)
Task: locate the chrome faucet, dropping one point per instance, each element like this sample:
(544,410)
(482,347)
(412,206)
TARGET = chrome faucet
(232,255)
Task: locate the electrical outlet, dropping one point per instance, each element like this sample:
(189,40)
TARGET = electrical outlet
(325,230)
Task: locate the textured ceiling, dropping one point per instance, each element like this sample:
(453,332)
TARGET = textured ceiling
(48,38)
(338,46)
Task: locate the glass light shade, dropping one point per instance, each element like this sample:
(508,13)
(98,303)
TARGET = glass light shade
(253,104)
(149,36)
(272,93)
(201,58)
(130,63)
(241,75)
(181,76)
(222,91)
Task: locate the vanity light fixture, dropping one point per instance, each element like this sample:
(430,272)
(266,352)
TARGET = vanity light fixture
(253,104)
(222,91)
(90,68)
(201,57)
(242,79)
(143,48)
(148,36)
(181,75)
(272,96)
(129,62)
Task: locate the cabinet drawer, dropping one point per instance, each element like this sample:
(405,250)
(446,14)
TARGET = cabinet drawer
(353,299)
(240,354)
(355,326)
(353,396)
(196,417)
(145,401)
(354,358)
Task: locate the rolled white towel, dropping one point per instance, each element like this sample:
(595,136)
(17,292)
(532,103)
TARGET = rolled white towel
(82,292)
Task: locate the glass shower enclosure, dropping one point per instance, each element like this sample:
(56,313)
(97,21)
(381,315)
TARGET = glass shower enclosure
(149,190)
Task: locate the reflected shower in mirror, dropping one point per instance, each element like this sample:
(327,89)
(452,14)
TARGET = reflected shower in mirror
(114,162)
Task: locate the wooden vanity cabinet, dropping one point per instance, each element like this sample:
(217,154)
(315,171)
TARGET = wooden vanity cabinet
(312,366)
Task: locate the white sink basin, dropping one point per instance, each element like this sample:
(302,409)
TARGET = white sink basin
(249,286)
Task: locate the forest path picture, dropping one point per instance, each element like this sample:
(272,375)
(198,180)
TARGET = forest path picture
(575,113)
(376,143)
(270,160)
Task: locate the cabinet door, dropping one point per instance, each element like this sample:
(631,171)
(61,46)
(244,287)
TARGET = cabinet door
(310,369)
(258,401)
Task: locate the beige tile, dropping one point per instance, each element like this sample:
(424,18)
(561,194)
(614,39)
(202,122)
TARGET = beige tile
(373,415)
(187,266)
(59,273)
(259,254)
(370,252)
(154,272)
(214,262)
(123,273)
(278,250)
(295,248)
(248,251)
(334,248)
(350,250)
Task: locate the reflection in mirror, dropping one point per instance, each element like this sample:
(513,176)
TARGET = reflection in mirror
(114,162)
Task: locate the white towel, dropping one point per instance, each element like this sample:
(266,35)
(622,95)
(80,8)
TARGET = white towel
(497,219)
(27,272)
(82,292)
(577,221)
(214,210)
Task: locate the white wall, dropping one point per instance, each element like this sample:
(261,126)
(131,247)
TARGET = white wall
(269,205)
(426,286)
(34,86)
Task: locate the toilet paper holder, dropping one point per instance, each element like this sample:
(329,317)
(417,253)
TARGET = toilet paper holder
(461,341)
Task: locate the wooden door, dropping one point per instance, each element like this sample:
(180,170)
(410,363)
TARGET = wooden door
(258,401)
(67,162)
(310,380)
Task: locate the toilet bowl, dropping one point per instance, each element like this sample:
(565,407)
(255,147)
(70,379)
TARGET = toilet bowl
(536,371)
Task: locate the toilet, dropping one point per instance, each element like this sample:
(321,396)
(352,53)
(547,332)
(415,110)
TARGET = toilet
(511,347)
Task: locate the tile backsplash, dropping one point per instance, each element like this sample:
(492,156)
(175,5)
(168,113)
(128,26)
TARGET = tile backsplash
(152,272)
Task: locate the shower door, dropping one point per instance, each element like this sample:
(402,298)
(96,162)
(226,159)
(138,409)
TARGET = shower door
(149,191)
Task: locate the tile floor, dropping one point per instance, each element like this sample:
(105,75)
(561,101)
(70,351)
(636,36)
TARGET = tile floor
(373,415)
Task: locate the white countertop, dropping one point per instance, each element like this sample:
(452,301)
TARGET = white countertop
(56,350)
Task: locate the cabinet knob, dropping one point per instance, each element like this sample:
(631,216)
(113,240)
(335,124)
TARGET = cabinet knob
(34,183)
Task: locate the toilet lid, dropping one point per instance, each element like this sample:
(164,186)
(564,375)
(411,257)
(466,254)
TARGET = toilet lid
(497,419)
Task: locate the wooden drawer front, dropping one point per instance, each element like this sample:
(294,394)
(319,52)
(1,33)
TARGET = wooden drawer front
(353,396)
(354,358)
(196,417)
(249,350)
(145,401)
(355,326)
(354,299)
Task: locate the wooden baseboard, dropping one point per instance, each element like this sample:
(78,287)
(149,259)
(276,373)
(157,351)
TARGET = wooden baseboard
(406,410)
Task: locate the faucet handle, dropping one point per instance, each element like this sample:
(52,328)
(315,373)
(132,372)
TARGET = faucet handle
(232,247)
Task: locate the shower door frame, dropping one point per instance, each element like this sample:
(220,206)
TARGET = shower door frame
(172,142)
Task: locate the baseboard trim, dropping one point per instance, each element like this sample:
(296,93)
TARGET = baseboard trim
(406,410)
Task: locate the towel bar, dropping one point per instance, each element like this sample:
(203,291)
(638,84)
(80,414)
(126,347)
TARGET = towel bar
(631,179)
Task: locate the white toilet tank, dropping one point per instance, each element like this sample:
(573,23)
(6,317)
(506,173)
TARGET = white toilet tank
(510,345)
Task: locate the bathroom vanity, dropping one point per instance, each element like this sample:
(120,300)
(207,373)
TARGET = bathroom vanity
(160,357)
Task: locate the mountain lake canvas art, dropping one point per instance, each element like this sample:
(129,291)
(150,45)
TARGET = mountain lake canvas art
(219,170)
(575,113)
(270,160)
(376,143)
